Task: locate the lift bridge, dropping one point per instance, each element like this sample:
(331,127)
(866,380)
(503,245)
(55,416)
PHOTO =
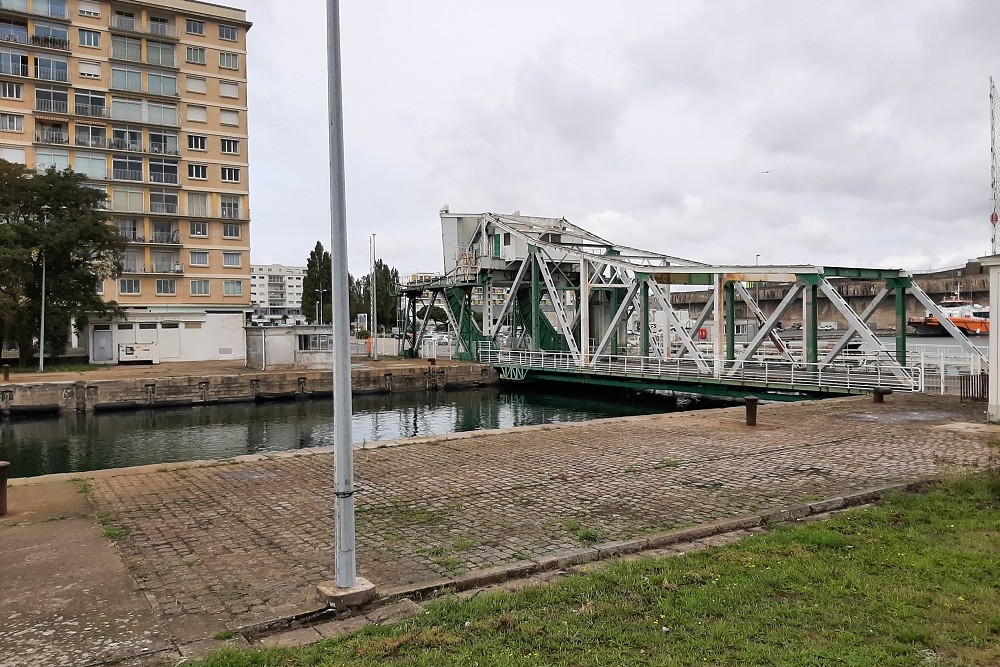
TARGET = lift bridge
(544,299)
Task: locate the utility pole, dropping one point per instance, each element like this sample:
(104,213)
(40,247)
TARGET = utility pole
(374,301)
(995,151)
(41,328)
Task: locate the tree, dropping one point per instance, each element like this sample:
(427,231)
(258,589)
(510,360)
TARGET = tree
(318,271)
(386,281)
(52,220)
(437,314)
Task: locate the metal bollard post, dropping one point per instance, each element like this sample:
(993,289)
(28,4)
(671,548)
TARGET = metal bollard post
(6,372)
(751,405)
(878,396)
(4,466)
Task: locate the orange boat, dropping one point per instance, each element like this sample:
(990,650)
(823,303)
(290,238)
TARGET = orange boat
(971,319)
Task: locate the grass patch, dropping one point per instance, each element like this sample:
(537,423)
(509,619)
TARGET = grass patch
(83,485)
(581,532)
(223,635)
(911,581)
(463,543)
(111,531)
(666,463)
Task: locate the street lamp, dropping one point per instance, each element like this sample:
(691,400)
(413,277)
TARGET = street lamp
(374,325)
(319,304)
(41,328)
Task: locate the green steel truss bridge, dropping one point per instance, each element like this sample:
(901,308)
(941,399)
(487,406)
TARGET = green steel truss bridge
(541,298)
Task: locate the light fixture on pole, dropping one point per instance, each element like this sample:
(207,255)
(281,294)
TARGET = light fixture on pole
(320,291)
(374,325)
(347,586)
(41,327)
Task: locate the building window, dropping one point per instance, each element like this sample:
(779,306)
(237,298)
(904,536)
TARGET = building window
(229,60)
(159,26)
(163,171)
(227,32)
(51,99)
(11,122)
(90,69)
(194,27)
(229,89)
(51,69)
(230,175)
(92,166)
(127,200)
(126,78)
(232,287)
(198,288)
(197,142)
(126,48)
(199,229)
(198,204)
(90,38)
(158,53)
(231,259)
(128,286)
(13,63)
(126,168)
(196,55)
(11,91)
(197,84)
(229,117)
(90,103)
(230,207)
(100,286)
(91,136)
(126,139)
(12,154)
(89,8)
(160,142)
(231,146)
(166,286)
(122,109)
(231,230)
(199,258)
(162,201)
(161,114)
(197,114)
(160,83)
(44,159)
(198,171)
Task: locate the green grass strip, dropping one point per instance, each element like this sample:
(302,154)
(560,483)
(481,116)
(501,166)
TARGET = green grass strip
(914,580)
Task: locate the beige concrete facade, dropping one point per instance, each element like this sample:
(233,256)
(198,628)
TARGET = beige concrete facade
(149,99)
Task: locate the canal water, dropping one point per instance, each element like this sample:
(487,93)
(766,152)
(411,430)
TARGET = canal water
(78,443)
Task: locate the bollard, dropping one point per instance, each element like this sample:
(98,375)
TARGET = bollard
(879,394)
(751,404)
(432,361)
(6,372)
(4,465)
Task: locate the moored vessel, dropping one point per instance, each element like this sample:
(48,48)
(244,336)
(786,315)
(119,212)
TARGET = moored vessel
(969,318)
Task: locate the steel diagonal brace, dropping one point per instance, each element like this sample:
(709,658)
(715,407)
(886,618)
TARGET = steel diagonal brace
(512,291)
(852,332)
(742,290)
(418,336)
(948,325)
(675,324)
(615,321)
(702,317)
(862,329)
(765,329)
(557,305)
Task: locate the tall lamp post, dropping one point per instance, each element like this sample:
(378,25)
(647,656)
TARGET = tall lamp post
(319,304)
(41,327)
(374,326)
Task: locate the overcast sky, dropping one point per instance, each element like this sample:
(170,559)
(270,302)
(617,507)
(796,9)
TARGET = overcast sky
(838,133)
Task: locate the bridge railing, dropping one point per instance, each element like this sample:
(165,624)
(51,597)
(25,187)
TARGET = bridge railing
(751,373)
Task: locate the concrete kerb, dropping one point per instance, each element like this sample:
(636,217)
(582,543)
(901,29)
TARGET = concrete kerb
(605,551)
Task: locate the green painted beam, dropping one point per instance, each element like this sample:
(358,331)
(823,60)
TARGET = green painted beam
(536,298)
(901,326)
(730,296)
(862,273)
(644,319)
(728,391)
(812,315)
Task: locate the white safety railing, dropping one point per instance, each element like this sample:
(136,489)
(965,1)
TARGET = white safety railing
(944,365)
(771,373)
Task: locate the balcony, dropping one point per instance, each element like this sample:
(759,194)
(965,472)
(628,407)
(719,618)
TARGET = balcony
(52,106)
(21,6)
(51,137)
(172,237)
(164,149)
(231,214)
(132,236)
(13,69)
(47,42)
(125,175)
(161,60)
(162,177)
(166,267)
(163,209)
(133,267)
(130,24)
(128,86)
(90,111)
(125,53)
(91,142)
(121,144)
(52,74)
(8,36)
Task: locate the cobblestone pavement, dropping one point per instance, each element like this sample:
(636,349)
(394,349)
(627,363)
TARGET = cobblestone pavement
(240,543)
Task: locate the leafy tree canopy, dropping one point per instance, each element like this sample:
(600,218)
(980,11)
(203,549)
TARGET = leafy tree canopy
(52,220)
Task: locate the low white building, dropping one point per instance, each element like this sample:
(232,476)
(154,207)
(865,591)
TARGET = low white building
(276,293)
(168,334)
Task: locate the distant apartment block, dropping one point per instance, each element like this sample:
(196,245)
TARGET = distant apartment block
(276,292)
(149,100)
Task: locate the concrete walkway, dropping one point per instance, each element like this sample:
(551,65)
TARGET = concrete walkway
(229,545)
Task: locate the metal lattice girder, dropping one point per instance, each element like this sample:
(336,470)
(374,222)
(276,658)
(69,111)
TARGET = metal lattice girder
(864,332)
(778,342)
(852,332)
(948,325)
(633,289)
(674,323)
(762,334)
(558,306)
(707,310)
(511,292)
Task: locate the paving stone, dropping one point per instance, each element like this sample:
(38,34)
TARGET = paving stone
(290,638)
(245,543)
(396,611)
(342,626)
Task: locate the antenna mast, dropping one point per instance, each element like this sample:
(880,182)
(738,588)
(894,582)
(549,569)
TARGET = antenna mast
(995,150)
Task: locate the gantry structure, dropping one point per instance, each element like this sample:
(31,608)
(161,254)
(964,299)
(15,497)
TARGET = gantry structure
(544,298)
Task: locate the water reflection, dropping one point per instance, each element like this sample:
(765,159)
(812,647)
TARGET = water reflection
(119,439)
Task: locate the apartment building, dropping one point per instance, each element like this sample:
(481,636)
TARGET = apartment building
(149,100)
(276,293)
